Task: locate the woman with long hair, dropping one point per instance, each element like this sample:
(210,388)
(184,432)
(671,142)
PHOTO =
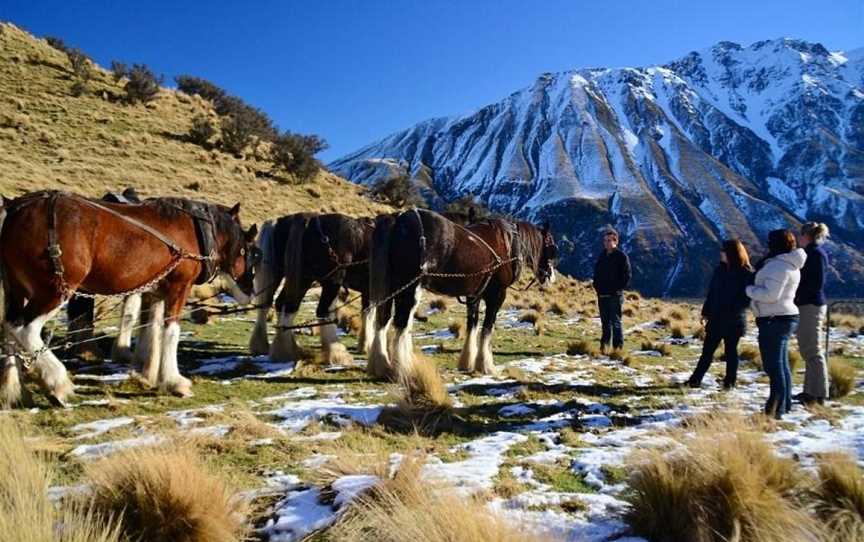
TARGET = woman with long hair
(811,302)
(725,312)
(773,295)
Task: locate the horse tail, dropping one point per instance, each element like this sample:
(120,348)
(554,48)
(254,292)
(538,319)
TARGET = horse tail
(293,262)
(379,262)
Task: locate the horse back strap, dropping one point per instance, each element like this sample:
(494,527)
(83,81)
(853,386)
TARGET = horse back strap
(54,251)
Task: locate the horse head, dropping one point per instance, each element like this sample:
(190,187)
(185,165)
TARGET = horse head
(548,256)
(238,254)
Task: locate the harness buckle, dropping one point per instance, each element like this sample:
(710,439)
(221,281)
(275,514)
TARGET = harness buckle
(54,251)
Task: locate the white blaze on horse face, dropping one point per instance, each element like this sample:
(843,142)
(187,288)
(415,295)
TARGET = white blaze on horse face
(469,349)
(50,371)
(149,349)
(130,315)
(403,342)
(284,348)
(230,285)
(169,375)
(485,363)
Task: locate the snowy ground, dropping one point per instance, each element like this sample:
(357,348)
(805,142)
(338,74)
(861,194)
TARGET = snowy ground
(558,427)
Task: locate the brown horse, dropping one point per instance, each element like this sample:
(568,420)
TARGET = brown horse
(297,251)
(422,249)
(53,244)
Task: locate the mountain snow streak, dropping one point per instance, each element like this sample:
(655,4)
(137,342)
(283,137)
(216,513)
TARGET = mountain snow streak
(728,141)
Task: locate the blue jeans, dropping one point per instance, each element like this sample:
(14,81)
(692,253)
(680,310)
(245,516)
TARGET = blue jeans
(610,319)
(774,334)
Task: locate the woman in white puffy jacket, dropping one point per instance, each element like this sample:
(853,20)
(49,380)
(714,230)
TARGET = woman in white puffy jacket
(773,304)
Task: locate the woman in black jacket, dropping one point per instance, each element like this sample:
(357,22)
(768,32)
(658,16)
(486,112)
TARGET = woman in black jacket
(725,310)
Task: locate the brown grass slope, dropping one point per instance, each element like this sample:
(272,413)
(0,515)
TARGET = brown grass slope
(93,143)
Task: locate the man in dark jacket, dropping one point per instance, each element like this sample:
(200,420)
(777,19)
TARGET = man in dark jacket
(611,277)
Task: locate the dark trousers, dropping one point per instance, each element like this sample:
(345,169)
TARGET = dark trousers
(715,332)
(774,334)
(610,319)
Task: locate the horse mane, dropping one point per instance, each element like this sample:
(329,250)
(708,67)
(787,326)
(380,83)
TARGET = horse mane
(532,243)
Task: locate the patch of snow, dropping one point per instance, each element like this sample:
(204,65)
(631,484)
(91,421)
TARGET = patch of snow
(99,427)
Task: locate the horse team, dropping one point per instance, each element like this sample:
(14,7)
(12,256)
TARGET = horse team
(54,245)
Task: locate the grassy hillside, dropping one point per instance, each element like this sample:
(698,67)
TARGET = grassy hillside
(93,143)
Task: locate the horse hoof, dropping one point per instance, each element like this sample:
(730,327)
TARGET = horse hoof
(181,387)
(56,401)
(337,354)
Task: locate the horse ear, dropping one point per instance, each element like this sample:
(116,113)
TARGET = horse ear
(252,233)
(235,211)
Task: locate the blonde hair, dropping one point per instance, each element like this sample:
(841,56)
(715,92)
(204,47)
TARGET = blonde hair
(817,231)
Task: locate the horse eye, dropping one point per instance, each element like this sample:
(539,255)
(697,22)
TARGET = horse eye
(242,251)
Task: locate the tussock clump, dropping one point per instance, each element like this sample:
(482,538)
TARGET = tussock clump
(422,401)
(633,296)
(676,315)
(619,355)
(661,348)
(423,388)
(439,304)
(726,483)
(842,377)
(629,312)
(405,507)
(162,494)
(582,348)
(699,334)
(558,308)
(455,328)
(531,317)
(794,360)
(839,497)
(537,306)
(664,321)
(26,514)
(748,353)
(677,332)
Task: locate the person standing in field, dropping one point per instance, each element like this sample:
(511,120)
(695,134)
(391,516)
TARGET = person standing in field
(725,312)
(773,295)
(611,277)
(810,299)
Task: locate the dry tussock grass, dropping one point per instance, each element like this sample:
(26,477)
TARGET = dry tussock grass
(455,328)
(724,483)
(582,348)
(839,497)
(166,494)
(405,508)
(530,317)
(422,403)
(661,348)
(842,376)
(26,514)
(53,140)
(678,332)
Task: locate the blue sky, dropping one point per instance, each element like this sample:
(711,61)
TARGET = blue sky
(355,71)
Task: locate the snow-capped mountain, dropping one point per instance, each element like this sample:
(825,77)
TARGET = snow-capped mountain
(729,141)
